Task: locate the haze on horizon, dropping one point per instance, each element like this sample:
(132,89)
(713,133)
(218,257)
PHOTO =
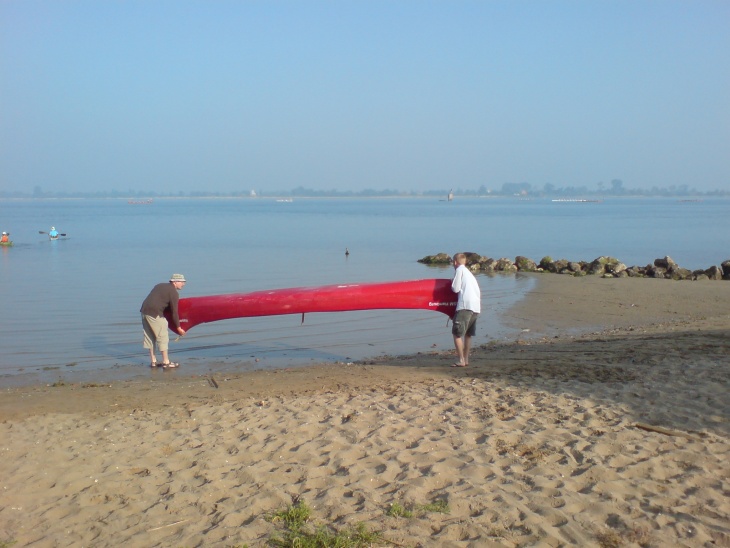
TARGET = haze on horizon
(229,95)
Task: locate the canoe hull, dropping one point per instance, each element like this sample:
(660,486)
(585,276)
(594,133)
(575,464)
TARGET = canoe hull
(430,294)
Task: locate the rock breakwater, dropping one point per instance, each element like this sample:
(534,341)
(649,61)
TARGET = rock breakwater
(607,267)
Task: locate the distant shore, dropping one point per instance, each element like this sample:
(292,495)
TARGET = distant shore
(558,198)
(606,420)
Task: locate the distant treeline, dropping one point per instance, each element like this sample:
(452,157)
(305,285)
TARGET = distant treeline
(614,188)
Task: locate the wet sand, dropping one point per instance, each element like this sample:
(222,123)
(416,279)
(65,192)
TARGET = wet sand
(604,423)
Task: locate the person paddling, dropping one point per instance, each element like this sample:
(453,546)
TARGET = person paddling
(163,297)
(53,234)
(5,239)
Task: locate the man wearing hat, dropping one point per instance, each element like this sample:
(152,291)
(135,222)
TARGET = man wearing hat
(163,297)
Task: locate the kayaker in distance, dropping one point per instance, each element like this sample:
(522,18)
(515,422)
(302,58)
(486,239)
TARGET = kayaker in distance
(53,232)
(163,297)
(5,238)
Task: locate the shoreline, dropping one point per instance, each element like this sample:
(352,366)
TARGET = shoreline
(294,344)
(558,309)
(606,421)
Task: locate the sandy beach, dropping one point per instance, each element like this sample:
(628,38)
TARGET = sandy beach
(605,422)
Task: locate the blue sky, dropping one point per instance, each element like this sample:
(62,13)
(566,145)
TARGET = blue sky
(349,95)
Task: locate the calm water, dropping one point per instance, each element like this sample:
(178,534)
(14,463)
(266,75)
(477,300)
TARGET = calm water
(69,308)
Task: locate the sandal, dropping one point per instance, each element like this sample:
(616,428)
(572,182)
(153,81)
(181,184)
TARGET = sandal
(153,365)
(170,365)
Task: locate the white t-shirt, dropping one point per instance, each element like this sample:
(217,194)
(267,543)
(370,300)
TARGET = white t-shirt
(466,285)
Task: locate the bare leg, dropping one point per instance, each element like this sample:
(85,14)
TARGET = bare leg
(165,359)
(459,345)
(152,356)
(467,348)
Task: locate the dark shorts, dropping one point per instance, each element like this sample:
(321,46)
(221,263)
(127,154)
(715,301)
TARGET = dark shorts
(465,323)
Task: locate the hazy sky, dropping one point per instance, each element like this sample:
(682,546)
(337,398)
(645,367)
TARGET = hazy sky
(398,94)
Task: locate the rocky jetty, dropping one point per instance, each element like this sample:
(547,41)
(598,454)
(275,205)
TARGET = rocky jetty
(607,267)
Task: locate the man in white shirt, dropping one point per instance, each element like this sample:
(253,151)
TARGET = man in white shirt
(468,309)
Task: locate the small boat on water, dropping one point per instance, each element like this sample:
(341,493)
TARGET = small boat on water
(6,244)
(53,234)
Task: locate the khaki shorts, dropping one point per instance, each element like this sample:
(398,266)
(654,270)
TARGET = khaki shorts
(465,323)
(155,331)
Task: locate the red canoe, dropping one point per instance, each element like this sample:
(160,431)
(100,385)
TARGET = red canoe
(433,294)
